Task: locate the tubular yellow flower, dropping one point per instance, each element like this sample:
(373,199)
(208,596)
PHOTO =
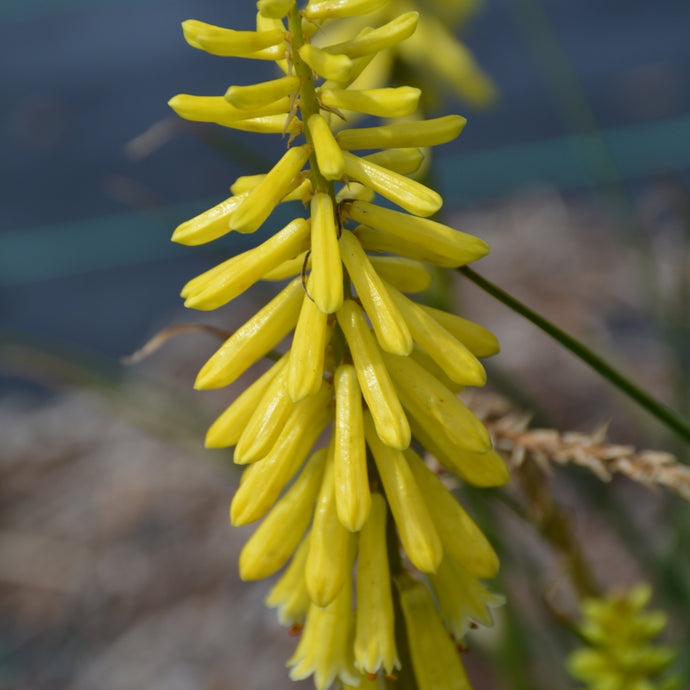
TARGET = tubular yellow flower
(405,274)
(217,109)
(207,226)
(327,270)
(374,628)
(326,9)
(260,95)
(277,537)
(336,67)
(226,42)
(328,153)
(402,161)
(352,496)
(382,102)
(274,9)
(389,325)
(477,339)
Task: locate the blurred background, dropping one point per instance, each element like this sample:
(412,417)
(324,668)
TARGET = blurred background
(117,563)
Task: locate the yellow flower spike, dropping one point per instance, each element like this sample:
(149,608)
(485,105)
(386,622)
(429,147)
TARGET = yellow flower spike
(352,495)
(217,109)
(260,95)
(462,540)
(374,380)
(289,594)
(277,537)
(479,469)
(325,647)
(327,269)
(254,339)
(328,9)
(402,161)
(459,364)
(305,370)
(331,549)
(410,194)
(328,154)
(267,421)
(246,269)
(407,275)
(435,659)
(377,40)
(409,134)
(227,429)
(226,42)
(418,534)
(374,622)
(462,598)
(274,9)
(389,325)
(260,202)
(386,102)
(422,394)
(335,67)
(477,339)
(263,481)
(459,248)
(207,226)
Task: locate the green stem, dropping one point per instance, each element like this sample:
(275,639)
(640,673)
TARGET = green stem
(664,414)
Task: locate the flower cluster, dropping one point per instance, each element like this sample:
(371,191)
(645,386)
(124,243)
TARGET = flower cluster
(620,653)
(368,368)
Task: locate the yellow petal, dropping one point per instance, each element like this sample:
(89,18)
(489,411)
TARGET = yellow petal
(327,269)
(386,102)
(447,351)
(208,225)
(458,247)
(261,201)
(263,481)
(260,95)
(410,194)
(374,628)
(336,67)
(226,42)
(274,541)
(477,339)
(328,154)
(327,9)
(461,538)
(388,322)
(407,275)
(377,388)
(254,339)
(329,563)
(227,429)
(424,395)
(415,134)
(415,526)
(289,595)
(352,495)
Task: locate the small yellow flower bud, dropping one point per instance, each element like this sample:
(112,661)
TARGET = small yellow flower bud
(326,9)
(477,339)
(274,9)
(415,526)
(217,109)
(263,481)
(260,202)
(227,429)
(267,421)
(289,595)
(435,660)
(352,495)
(260,95)
(274,541)
(415,134)
(223,283)
(389,325)
(328,154)
(254,339)
(270,124)
(208,225)
(376,40)
(374,380)
(332,546)
(426,397)
(374,627)
(226,42)
(462,598)
(327,269)
(305,370)
(462,540)
(410,194)
(449,353)
(458,247)
(405,274)
(386,102)
(335,67)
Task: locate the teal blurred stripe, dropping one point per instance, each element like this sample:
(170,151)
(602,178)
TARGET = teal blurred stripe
(69,249)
